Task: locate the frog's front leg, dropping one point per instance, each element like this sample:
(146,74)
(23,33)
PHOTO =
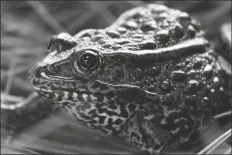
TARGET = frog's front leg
(146,134)
(156,130)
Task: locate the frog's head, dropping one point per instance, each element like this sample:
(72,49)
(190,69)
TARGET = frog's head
(95,68)
(78,73)
(76,65)
(73,66)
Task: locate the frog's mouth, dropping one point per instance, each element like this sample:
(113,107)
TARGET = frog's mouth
(57,76)
(64,87)
(52,73)
(68,95)
(73,90)
(60,91)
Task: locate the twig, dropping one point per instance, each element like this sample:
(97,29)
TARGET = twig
(10,79)
(46,16)
(227,113)
(225,65)
(15,71)
(216,143)
(226,31)
(84,18)
(106,15)
(10,98)
(228,151)
(29,99)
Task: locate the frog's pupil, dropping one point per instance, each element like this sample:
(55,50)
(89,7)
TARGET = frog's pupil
(88,60)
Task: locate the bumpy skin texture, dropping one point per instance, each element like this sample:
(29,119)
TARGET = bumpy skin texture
(151,78)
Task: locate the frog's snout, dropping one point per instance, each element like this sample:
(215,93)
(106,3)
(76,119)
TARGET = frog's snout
(32,72)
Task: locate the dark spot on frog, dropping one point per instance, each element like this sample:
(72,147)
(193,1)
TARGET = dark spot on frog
(100,31)
(107,45)
(100,86)
(205,102)
(85,106)
(198,65)
(148,26)
(166,100)
(132,107)
(177,32)
(162,36)
(118,121)
(130,24)
(110,95)
(122,41)
(101,119)
(178,66)
(138,36)
(65,103)
(208,71)
(147,82)
(116,47)
(148,44)
(161,17)
(119,74)
(187,62)
(191,31)
(97,37)
(113,33)
(165,86)
(80,98)
(151,88)
(102,41)
(121,30)
(179,76)
(192,86)
(191,101)
(109,113)
(152,72)
(137,15)
(184,19)
(87,34)
(138,73)
(192,73)
(137,83)
(112,105)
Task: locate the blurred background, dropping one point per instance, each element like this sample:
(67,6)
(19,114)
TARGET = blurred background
(26,27)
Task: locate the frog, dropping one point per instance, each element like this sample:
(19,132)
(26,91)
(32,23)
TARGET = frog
(151,78)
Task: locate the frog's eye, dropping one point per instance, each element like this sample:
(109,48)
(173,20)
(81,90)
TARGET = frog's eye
(88,60)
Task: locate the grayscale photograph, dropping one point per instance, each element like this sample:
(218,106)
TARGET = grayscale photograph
(116,77)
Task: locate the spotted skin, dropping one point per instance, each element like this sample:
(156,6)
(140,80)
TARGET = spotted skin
(151,78)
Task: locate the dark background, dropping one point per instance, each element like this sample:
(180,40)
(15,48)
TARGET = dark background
(26,27)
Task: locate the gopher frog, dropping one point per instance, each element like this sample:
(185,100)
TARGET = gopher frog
(151,78)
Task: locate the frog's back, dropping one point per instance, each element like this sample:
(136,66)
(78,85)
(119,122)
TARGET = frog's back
(146,28)
(156,24)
